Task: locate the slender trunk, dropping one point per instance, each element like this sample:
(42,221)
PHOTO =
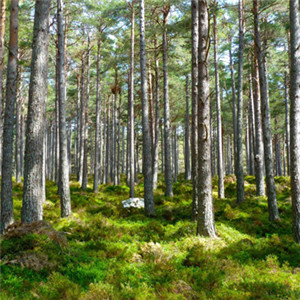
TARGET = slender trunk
(234,114)
(251,127)
(18,138)
(107,142)
(33,181)
(287,122)
(86,122)
(7,212)
(123,150)
(219,117)
(131,108)
(239,167)
(187,163)
(266,124)
(194,132)
(168,169)
(259,151)
(157,118)
(147,142)
(82,119)
(98,123)
(205,226)
(295,116)
(65,200)
(229,163)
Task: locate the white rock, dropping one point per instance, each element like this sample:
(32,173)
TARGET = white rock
(134,202)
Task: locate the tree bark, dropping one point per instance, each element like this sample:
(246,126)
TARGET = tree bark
(239,167)
(187,152)
(205,225)
(168,168)
(131,107)
(7,213)
(259,150)
(295,116)
(194,132)
(157,117)
(266,123)
(86,121)
(219,116)
(65,199)
(2,51)
(287,122)
(33,185)
(234,112)
(147,142)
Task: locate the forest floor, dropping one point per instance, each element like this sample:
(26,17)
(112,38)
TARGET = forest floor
(106,252)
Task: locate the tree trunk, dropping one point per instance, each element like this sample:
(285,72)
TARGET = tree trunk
(98,122)
(33,185)
(239,167)
(147,142)
(295,116)
(205,226)
(287,122)
(131,107)
(7,213)
(194,132)
(86,121)
(259,151)
(234,112)
(187,163)
(168,169)
(82,118)
(2,51)
(219,116)
(265,109)
(157,118)
(65,200)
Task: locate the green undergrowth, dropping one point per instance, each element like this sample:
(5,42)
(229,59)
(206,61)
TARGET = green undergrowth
(112,253)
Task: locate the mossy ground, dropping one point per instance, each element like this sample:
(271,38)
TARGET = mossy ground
(116,254)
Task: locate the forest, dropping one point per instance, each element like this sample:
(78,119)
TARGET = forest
(150,149)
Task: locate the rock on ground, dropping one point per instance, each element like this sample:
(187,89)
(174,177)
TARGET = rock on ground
(134,202)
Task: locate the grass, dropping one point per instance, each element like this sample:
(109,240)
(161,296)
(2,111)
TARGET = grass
(114,253)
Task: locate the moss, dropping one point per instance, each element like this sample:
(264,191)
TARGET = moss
(113,253)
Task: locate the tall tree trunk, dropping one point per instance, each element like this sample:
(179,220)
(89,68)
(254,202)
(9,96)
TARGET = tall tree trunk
(205,226)
(7,213)
(147,142)
(234,112)
(187,163)
(19,105)
(33,185)
(82,118)
(251,127)
(131,107)
(157,117)
(219,116)
(2,51)
(98,124)
(194,132)
(65,200)
(265,109)
(107,141)
(86,121)
(295,116)
(239,167)
(287,122)
(168,168)
(259,150)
